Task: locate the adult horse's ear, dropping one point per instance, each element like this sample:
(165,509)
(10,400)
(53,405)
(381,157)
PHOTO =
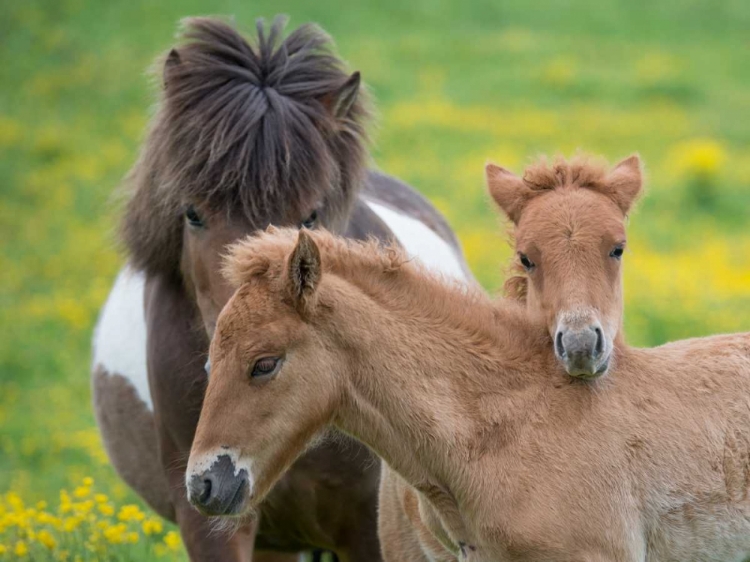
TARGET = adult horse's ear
(304,272)
(340,101)
(170,64)
(625,182)
(508,190)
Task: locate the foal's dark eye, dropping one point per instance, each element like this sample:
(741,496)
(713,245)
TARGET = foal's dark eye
(527,264)
(193,217)
(310,221)
(265,367)
(617,252)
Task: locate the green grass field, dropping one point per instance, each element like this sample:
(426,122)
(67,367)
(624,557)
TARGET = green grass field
(456,83)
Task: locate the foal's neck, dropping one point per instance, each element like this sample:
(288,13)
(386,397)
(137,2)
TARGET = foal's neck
(426,357)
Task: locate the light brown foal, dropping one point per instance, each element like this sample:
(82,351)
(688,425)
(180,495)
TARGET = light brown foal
(493,453)
(569,228)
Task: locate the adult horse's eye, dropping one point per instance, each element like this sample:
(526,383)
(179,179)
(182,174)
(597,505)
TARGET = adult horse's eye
(310,221)
(193,217)
(527,264)
(617,252)
(265,367)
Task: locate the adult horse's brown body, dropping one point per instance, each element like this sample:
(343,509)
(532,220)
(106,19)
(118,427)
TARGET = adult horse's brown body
(245,136)
(493,453)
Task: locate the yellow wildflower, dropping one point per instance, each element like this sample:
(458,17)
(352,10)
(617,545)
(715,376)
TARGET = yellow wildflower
(46,538)
(21,549)
(70,524)
(130,513)
(152,526)
(172,540)
(132,537)
(81,492)
(3,549)
(106,509)
(115,534)
(101,498)
(702,156)
(88,482)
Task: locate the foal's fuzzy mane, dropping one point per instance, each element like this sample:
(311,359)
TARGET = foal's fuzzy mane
(579,172)
(243,127)
(379,269)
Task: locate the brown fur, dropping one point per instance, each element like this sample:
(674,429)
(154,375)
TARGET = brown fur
(249,133)
(513,194)
(567,217)
(497,455)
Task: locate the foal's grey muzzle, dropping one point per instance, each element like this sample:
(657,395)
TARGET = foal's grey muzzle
(220,490)
(583,351)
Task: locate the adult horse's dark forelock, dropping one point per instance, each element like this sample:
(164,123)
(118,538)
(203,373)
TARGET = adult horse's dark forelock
(246,134)
(266,130)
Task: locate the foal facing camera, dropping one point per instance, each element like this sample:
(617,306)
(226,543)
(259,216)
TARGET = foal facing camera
(569,227)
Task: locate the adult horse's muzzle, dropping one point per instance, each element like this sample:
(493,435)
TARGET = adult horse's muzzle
(222,489)
(583,350)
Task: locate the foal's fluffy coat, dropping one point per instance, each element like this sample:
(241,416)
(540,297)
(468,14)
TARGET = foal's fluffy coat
(492,452)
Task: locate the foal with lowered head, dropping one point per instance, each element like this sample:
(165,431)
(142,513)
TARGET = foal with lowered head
(492,452)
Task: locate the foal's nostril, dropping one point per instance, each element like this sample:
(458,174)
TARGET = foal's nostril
(599,340)
(206,491)
(559,344)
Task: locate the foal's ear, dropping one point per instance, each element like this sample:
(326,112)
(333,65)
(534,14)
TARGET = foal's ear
(304,271)
(625,182)
(508,190)
(340,101)
(170,64)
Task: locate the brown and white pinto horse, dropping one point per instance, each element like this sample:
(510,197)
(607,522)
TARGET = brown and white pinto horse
(569,229)
(492,453)
(246,135)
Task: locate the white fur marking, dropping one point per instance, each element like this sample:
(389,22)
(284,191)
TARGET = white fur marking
(120,334)
(421,241)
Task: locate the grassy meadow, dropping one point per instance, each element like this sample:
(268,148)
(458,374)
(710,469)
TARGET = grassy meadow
(456,83)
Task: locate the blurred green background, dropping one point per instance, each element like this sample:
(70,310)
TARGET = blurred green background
(456,83)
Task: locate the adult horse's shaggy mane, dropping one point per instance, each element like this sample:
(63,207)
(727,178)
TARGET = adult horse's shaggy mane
(244,127)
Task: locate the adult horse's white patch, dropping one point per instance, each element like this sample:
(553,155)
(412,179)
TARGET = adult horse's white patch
(120,334)
(421,242)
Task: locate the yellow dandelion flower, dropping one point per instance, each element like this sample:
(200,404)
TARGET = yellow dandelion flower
(88,482)
(46,538)
(106,509)
(115,534)
(130,513)
(172,540)
(702,156)
(101,498)
(152,526)
(21,549)
(70,524)
(81,492)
